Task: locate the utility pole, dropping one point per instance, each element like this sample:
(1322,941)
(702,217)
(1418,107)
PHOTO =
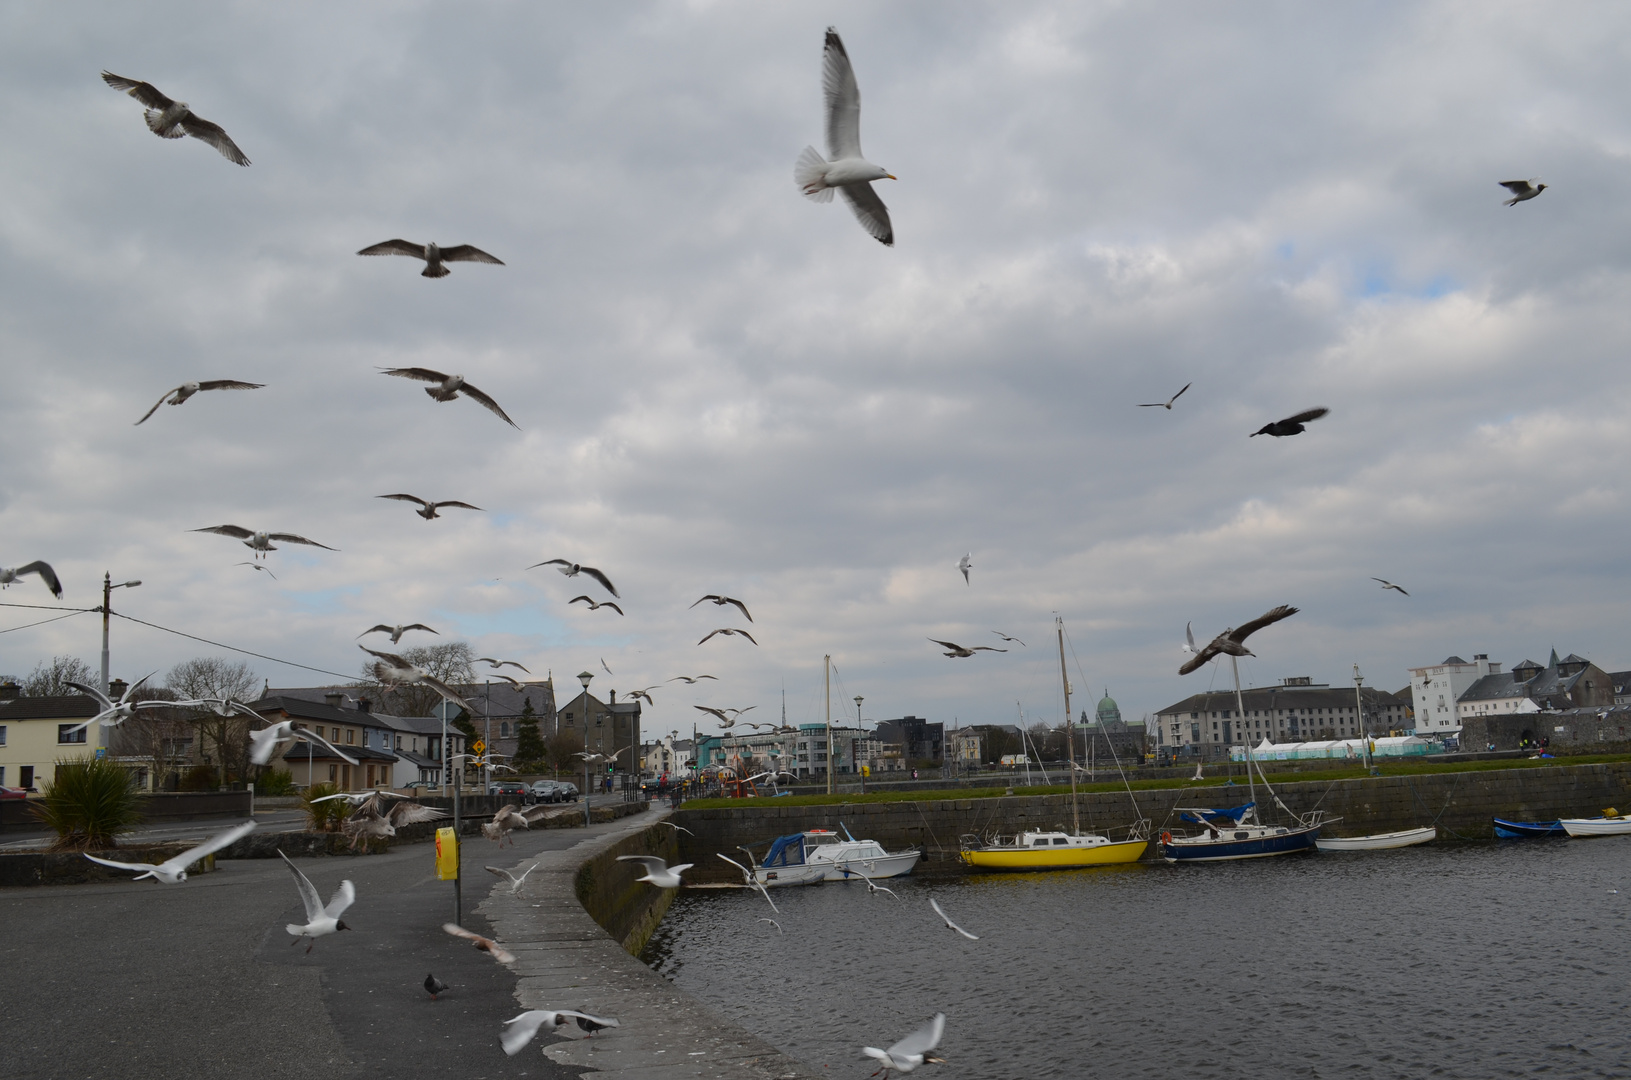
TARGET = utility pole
(107,600)
(827,697)
(859,735)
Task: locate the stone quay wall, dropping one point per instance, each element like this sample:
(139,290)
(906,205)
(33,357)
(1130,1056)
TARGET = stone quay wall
(1460,804)
(627,909)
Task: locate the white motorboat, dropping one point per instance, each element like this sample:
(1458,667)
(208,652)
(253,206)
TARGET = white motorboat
(849,858)
(1377,841)
(1610,824)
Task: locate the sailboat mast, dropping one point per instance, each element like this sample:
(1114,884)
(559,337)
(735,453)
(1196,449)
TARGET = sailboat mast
(827,696)
(1070,736)
(1240,718)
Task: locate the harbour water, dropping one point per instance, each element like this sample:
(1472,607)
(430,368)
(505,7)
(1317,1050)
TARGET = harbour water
(1464,960)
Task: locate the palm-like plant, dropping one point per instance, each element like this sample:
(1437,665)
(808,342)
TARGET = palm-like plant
(90,801)
(323,816)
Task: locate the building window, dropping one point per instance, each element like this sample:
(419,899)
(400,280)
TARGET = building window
(2,740)
(350,736)
(334,735)
(504,730)
(66,734)
(333,773)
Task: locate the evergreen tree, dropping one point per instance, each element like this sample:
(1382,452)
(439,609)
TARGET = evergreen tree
(529,745)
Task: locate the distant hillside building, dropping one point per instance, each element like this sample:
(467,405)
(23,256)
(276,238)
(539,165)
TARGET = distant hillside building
(1296,710)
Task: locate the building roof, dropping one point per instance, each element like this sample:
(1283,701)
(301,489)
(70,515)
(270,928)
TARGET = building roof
(1448,660)
(300,750)
(66,707)
(504,700)
(307,709)
(1280,697)
(1544,686)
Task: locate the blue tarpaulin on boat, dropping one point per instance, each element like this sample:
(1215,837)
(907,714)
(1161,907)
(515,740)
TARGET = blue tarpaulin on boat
(1220,817)
(785,851)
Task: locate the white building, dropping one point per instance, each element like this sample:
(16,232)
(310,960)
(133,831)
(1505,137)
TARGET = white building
(1436,689)
(667,755)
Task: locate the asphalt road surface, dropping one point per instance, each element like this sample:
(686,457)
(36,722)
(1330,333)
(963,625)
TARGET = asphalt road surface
(199,980)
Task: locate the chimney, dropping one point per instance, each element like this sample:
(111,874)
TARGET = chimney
(335,699)
(9,691)
(611,697)
(364,705)
(1482,660)
(117,688)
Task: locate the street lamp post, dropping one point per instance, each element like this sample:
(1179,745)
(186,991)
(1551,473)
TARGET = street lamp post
(107,595)
(859,735)
(585,677)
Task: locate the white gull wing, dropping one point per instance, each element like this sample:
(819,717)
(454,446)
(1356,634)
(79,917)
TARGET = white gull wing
(869,211)
(343,897)
(208,847)
(308,892)
(843,100)
(520,1030)
(921,1041)
(949,924)
(150,869)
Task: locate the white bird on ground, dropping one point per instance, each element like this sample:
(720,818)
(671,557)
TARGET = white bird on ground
(261,542)
(914,1050)
(188,389)
(658,872)
(965,564)
(1386,585)
(1198,774)
(172,119)
(596,605)
(495,664)
(521,1030)
(849,171)
(751,881)
(432,255)
(396,631)
(950,925)
(427,508)
(394,671)
(572,569)
(320,920)
(1522,190)
(38,566)
(721,601)
(515,882)
(174,871)
(113,712)
(486,945)
(1167,404)
(449,387)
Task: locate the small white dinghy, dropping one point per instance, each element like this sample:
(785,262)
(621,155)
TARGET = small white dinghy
(1612,823)
(1378,842)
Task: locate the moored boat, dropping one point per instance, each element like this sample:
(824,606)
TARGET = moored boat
(1236,833)
(1527,830)
(1378,841)
(1611,823)
(1049,851)
(847,858)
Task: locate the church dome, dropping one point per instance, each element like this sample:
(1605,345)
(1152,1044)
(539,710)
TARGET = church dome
(1109,712)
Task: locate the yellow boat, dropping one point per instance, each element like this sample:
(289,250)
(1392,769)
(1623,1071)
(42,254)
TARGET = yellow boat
(1049,851)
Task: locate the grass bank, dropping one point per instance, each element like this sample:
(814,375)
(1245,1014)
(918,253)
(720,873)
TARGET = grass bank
(1279,775)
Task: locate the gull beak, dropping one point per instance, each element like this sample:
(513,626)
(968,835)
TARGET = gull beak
(891,176)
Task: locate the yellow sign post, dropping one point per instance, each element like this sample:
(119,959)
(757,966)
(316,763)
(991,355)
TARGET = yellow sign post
(478,746)
(447,855)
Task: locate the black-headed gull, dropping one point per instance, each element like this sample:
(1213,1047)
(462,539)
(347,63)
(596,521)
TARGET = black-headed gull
(751,880)
(572,569)
(172,119)
(1522,190)
(1386,585)
(965,564)
(321,921)
(1291,425)
(521,1030)
(595,605)
(265,742)
(261,542)
(848,170)
(427,508)
(449,387)
(721,601)
(728,631)
(1232,641)
(949,924)
(393,671)
(962,652)
(691,680)
(114,713)
(433,255)
(658,872)
(914,1050)
(188,389)
(489,661)
(1167,404)
(515,882)
(486,945)
(397,631)
(1006,637)
(38,566)
(174,871)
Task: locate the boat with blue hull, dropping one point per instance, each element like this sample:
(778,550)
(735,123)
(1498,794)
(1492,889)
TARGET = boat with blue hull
(1527,830)
(1235,833)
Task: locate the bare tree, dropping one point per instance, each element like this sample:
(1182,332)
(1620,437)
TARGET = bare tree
(226,737)
(162,737)
(50,680)
(450,662)
(561,752)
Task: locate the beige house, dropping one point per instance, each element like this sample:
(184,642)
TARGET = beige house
(34,736)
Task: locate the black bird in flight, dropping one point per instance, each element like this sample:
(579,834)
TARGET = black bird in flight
(1233,641)
(1291,425)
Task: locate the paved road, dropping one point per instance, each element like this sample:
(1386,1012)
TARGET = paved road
(161,832)
(137,979)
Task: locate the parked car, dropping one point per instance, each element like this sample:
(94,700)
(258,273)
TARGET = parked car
(13,793)
(569,791)
(546,791)
(511,789)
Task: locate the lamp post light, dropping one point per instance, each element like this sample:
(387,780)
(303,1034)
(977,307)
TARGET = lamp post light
(585,677)
(859,735)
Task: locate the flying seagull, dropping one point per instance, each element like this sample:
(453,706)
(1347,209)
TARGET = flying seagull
(515,882)
(1167,404)
(643,695)
(603,663)
(371,820)
(499,663)
(949,924)
(751,881)
(509,818)
(433,256)
(486,945)
(958,652)
(1233,641)
(681,828)
(872,887)
(188,389)
(258,566)
(721,601)
(114,713)
(1386,585)
(1522,190)
(848,171)
(434,986)
(914,1050)
(266,740)
(172,119)
(1291,425)
(691,680)
(261,542)
(396,631)
(449,387)
(728,631)
(38,566)
(594,606)
(658,872)
(174,871)
(320,921)
(393,671)
(965,564)
(521,1030)
(572,569)
(428,509)
(1005,637)
(717,713)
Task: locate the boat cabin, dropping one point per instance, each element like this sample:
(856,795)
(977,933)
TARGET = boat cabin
(1057,839)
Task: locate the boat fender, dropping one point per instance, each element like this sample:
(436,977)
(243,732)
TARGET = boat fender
(1166,838)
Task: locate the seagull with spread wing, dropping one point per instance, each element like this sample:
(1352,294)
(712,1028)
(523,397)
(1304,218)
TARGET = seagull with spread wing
(396,631)
(751,880)
(40,567)
(1233,641)
(449,387)
(691,680)
(265,742)
(320,920)
(721,601)
(1291,425)
(595,605)
(1167,404)
(188,389)
(848,171)
(914,1050)
(515,882)
(433,255)
(572,569)
(113,713)
(1015,640)
(1522,190)
(427,508)
(959,652)
(393,671)
(261,542)
(486,945)
(1386,585)
(728,631)
(489,661)
(372,819)
(172,119)
(965,564)
(174,871)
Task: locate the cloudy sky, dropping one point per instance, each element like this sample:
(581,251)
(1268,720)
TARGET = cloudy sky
(723,387)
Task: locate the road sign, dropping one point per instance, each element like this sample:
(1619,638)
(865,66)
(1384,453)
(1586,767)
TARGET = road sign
(478,746)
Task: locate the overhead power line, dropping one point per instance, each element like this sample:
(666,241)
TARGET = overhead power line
(229,648)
